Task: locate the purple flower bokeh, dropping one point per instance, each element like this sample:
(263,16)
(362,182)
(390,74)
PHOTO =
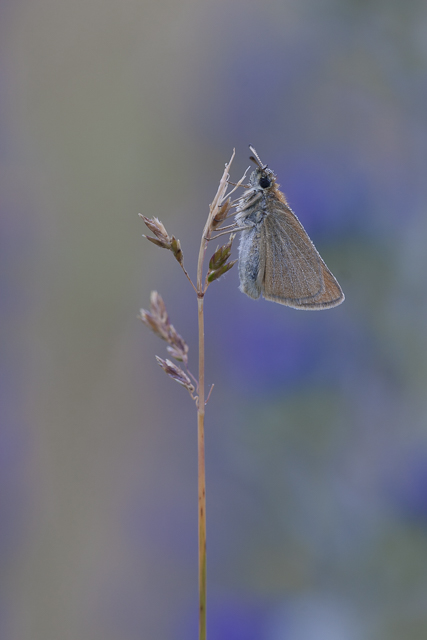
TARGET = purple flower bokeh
(408,489)
(231,617)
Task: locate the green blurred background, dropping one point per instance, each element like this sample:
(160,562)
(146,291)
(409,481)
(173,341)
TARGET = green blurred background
(317,426)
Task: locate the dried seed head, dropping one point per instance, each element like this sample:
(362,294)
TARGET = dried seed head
(159,230)
(148,320)
(163,239)
(214,275)
(219,257)
(157,320)
(178,348)
(221,254)
(218,264)
(175,247)
(176,373)
(221,213)
(159,243)
(216,206)
(158,307)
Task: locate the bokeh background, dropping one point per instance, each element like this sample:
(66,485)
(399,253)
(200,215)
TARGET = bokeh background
(317,426)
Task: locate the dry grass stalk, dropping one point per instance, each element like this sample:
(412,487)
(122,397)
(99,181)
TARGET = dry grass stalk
(157,319)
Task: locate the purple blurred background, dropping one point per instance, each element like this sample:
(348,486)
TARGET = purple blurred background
(317,426)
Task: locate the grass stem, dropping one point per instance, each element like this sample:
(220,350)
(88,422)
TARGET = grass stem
(201,474)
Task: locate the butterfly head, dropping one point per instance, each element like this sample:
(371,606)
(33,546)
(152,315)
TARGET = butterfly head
(262,178)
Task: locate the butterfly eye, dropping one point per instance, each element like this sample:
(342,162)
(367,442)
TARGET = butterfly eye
(264,182)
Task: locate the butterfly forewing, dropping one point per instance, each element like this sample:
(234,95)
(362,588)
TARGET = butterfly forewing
(332,295)
(295,274)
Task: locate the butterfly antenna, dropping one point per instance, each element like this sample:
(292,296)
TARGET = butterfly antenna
(256,159)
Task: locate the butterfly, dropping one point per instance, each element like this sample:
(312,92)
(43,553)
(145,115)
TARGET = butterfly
(276,257)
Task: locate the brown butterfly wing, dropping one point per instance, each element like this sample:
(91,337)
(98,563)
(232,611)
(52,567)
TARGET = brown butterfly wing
(295,274)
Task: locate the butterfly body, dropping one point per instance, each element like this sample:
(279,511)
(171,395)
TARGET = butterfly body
(276,257)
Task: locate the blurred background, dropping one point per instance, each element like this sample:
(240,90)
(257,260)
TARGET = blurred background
(316,431)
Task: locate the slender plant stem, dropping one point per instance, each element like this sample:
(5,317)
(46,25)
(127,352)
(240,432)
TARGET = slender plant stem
(201,440)
(201,476)
(158,320)
(201,289)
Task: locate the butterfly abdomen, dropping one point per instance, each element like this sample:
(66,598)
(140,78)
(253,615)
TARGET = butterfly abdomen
(251,265)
